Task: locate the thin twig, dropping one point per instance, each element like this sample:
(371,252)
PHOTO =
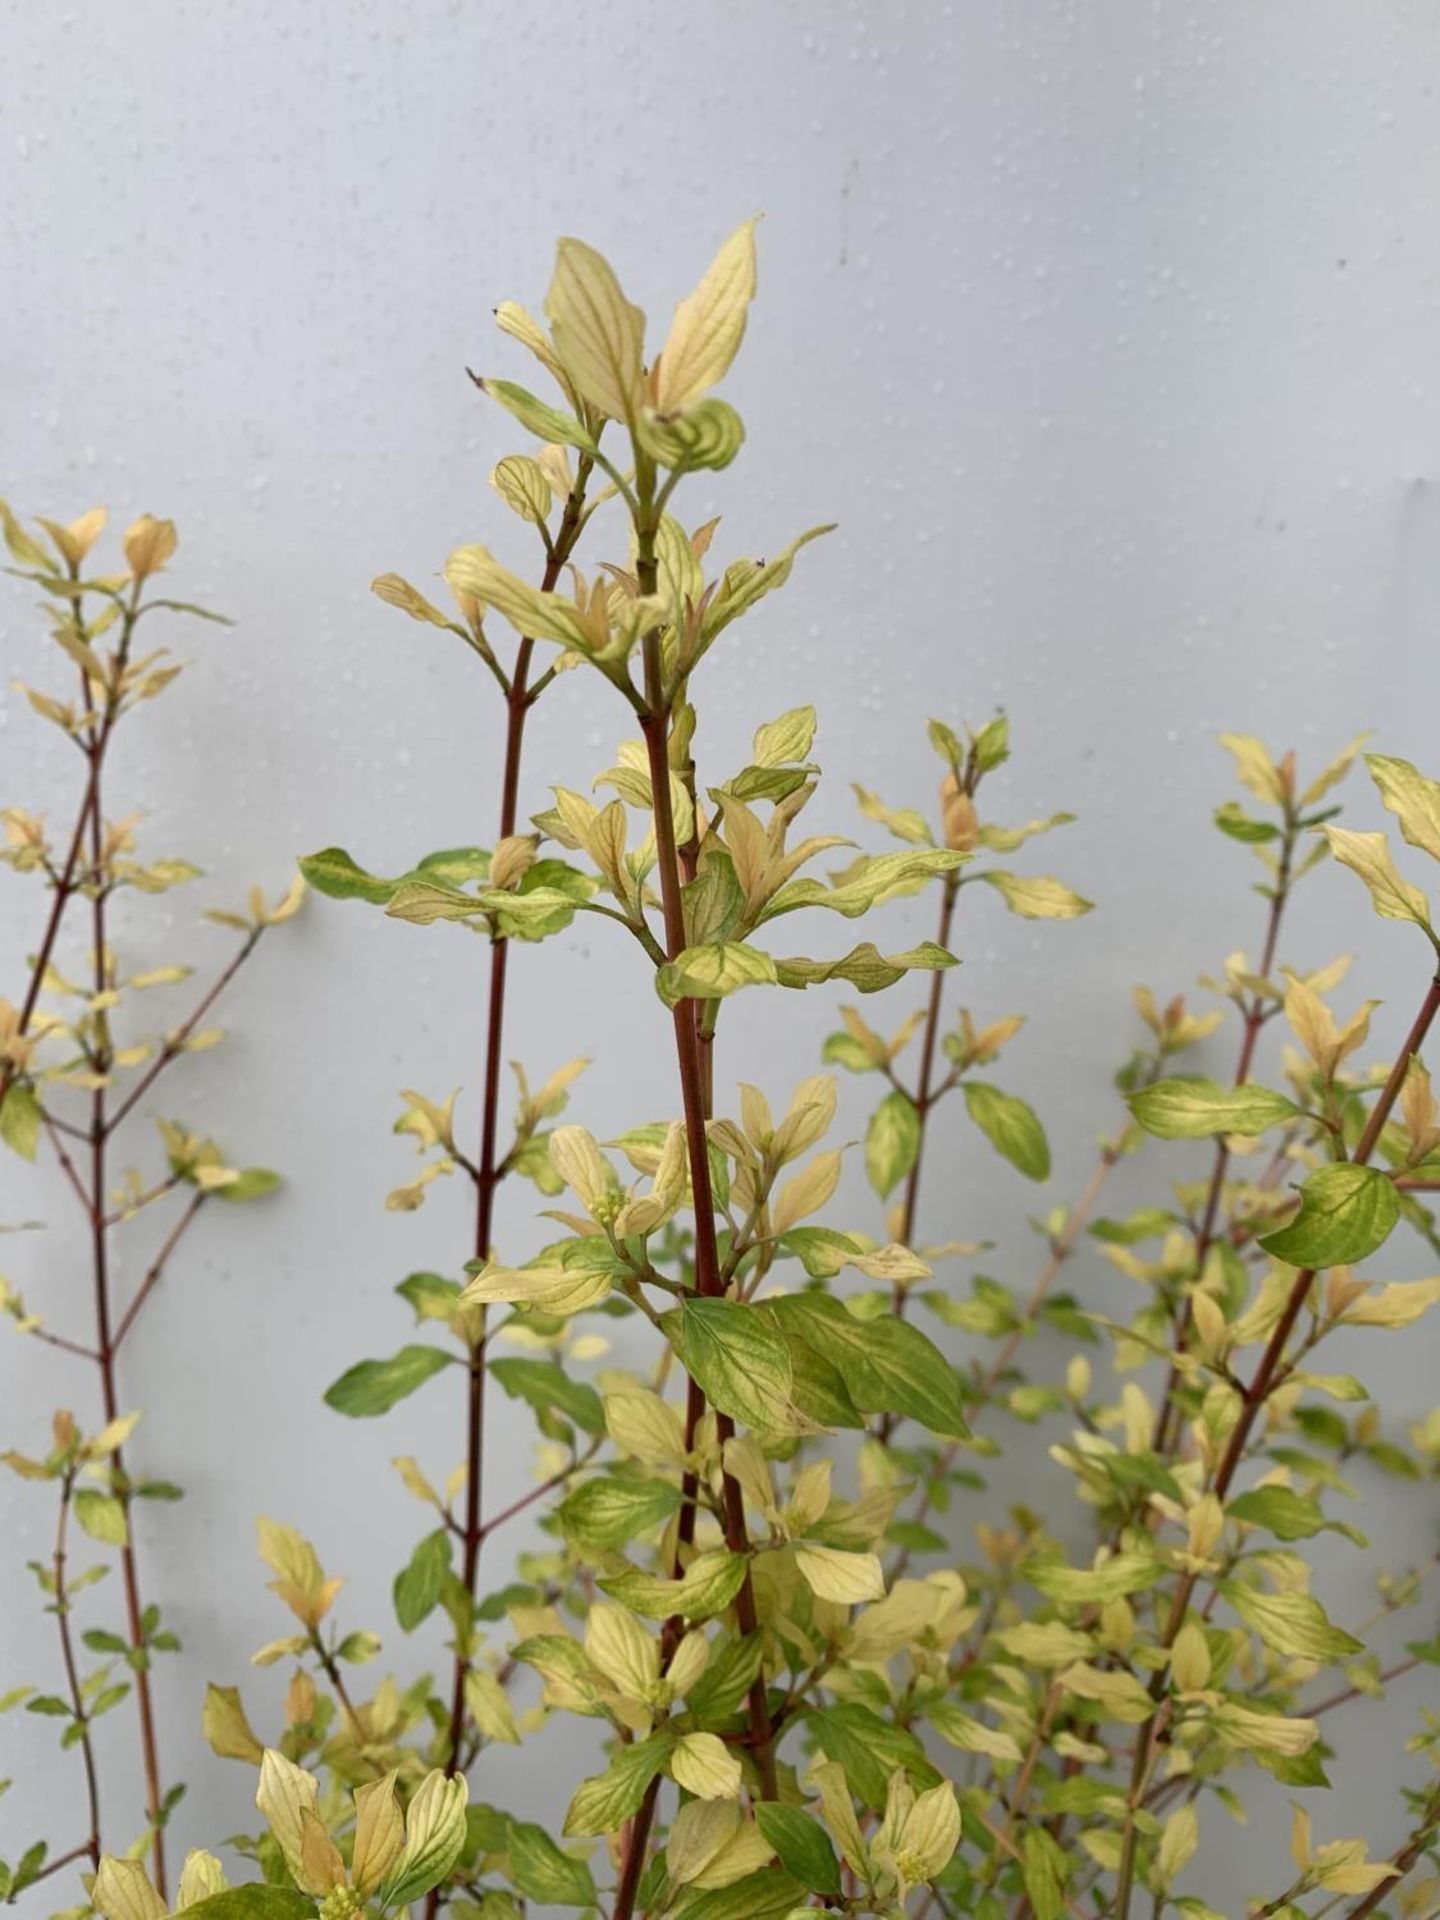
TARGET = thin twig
(91,1847)
(157,1268)
(1255,1017)
(175,1044)
(492,1167)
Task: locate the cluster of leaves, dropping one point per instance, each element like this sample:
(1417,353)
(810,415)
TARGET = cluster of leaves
(746,1437)
(74,1068)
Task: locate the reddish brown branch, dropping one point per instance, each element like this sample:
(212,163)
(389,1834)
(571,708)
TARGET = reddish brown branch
(91,1846)
(157,1268)
(949,893)
(1254,1020)
(175,1044)
(519,698)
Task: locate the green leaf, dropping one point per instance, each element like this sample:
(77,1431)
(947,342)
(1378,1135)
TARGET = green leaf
(887,1365)
(747,581)
(706,1588)
(710,973)
(817,1385)
(742,1365)
(254,1902)
(253,1184)
(1011,1128)
(545,422)
(1194,1109)
(1044,1874)
(864,967)
(992,743)
(1346,1212)
(770,1894)
(432,1296)
(706,436)
(548,1388)
(722,1687)
(606,1801)
(782,742)
(870,1750)
(1120,1575)
(432,1844)
(543,1872)
(102,1516)
(606,1512)
(892,1142)
(1149,1223)
(374,1386)
(533,913)
(1291,1623)
(946,742)
(21,1116)
(1233,820)
(420,903)
(419,1586)
(801,1844)
(1286,1514)
(868,883)
(333,872)
(825,1251)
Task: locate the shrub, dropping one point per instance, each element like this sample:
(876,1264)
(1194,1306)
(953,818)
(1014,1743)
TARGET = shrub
(805,1704)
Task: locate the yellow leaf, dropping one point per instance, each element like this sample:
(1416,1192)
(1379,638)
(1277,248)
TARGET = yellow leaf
(379,1834)
(522,485)
(646,1427)
(701,1829)
(123,1891)
(1414,800)
(1399,1305)
(703,1765)
(1256,769)
(1368,854)
(398,592)
(620,1648)
(708,327)
(1178,1844)
(201,1878)
(149,543)
(833,1574)
(599,335)
(289,1798)
(490,1707)
(546,1289)
(807,1192)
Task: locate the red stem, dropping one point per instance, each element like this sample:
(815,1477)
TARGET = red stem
(709,1280)
(1254,1021)
(492,1168)
(949,895)
(106,1344)
(175,1045)
(157,1269)
(77,1698)
(64,889)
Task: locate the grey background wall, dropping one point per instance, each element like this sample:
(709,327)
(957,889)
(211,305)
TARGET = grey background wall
(1107,334)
